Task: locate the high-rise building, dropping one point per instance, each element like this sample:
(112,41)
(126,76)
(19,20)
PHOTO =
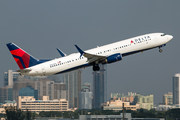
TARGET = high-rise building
(6,93)
(22,82)
(28,91)
(168,98)
(145,102)
(99,86)
(49,88)
(176,89)
(10,77)
(86,86)
(85,97)
(54,78)
(73,81)
(39,87)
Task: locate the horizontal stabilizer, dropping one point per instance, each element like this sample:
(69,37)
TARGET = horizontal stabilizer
(24,70)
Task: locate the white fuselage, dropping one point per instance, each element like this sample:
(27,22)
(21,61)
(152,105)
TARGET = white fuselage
(125,47)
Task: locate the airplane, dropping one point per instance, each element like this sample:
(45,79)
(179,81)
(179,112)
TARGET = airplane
(106,54)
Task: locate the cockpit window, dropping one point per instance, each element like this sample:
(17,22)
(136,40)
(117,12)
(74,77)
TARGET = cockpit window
(163,34)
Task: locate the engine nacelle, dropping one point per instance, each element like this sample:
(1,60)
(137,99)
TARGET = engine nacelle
(113,58)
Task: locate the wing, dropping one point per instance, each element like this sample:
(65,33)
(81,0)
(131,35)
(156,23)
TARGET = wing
(91,58)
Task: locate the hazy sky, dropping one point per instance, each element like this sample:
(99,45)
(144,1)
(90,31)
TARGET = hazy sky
(40,26)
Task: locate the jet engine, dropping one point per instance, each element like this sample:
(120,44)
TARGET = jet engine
(113,58)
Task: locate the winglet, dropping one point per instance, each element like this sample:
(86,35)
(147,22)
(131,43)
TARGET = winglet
(61,53)
(81,51)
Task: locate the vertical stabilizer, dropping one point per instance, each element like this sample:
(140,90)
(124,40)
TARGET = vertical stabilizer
(22,58)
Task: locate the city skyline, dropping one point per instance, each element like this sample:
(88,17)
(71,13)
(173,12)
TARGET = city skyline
(25,84)
(39,27)
(30,86)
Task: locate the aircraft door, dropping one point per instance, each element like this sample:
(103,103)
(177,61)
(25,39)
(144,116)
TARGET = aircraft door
(155,38)
(43,70)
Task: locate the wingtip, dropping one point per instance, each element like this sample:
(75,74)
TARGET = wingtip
(61,53)
(81,51)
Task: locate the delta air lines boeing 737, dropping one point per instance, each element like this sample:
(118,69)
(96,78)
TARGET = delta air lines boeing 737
(106,54)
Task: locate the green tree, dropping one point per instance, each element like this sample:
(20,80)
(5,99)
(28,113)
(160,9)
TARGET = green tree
(28,115)
(173,113)
(14,114)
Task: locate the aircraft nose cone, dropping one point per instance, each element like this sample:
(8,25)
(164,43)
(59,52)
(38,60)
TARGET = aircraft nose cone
(170,37)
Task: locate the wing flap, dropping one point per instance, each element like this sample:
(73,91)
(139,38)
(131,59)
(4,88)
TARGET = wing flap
(93,58)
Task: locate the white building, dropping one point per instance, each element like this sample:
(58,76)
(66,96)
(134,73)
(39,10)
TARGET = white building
(163,107)
(29,102)
(166,107)
(117,104)
(176,89)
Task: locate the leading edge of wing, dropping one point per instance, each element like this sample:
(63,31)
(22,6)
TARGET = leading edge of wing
(91,58)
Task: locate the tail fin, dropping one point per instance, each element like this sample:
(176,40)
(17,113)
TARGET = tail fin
(22,58)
